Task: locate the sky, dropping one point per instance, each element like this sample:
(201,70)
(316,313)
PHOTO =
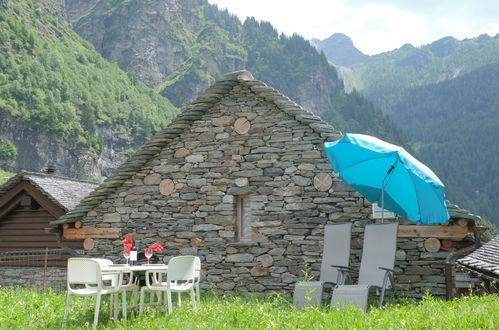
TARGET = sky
(374,26)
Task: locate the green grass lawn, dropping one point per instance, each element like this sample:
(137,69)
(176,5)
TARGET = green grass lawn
(29,309)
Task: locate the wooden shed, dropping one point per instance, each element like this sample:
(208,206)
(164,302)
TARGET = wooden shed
(28,203)
(483,263)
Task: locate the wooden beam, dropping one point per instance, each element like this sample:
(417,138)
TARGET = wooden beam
(46,203)
(88,244)
(23,225)
(10,205)
(432,244)
(26,187)
(82,233)
(25,232)
(437,231)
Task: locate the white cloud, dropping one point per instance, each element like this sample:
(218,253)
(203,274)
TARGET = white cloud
(377,28)
(377,25)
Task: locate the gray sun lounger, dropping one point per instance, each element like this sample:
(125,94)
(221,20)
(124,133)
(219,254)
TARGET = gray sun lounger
(376,267)
(337,240)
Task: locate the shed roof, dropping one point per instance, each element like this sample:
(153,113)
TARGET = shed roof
(456,212)
(191,113)
(65,192)
(484,260)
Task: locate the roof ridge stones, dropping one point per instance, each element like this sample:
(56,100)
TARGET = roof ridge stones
(456,212)
(26,175)
(190,113)
(44,175)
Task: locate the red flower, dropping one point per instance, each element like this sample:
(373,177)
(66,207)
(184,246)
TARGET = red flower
(156,247)
(128,242)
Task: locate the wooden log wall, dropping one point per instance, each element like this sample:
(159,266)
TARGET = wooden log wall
(25,229)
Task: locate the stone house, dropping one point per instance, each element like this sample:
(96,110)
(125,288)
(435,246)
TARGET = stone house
(240,179)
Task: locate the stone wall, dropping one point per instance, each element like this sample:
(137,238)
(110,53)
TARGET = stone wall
(35,277)
(417,270)
(275,163)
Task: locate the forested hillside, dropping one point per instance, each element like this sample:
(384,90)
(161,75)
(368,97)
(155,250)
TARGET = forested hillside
(444,97)
(180,47)
(61,102)
(383,78)
(454,126)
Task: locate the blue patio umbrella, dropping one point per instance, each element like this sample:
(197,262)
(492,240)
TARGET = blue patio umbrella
(388,174)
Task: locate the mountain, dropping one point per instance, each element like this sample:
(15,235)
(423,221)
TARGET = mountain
(443,96)
(168,44)
(340,50)
(61,102)
(180,47)
(454,126)
(384,77)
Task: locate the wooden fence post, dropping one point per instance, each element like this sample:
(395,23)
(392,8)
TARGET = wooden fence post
(45,267)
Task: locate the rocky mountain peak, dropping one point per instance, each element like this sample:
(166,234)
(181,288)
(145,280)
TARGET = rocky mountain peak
(340,50)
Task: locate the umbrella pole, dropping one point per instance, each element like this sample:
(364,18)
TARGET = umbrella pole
(383,200)
(383,191)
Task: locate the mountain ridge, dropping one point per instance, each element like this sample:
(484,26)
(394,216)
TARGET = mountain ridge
(383,77)
(443,96)
(340,50)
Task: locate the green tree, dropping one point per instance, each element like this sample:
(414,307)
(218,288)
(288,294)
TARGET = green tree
(7,150)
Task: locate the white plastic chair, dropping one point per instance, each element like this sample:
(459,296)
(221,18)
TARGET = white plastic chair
(180,277)
(197,277)
(87,272)
(153,284)
(109,281)
(130,286)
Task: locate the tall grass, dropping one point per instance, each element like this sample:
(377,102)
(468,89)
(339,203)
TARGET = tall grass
(28,309)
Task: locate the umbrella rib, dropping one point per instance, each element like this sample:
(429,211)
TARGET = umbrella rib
(417,197)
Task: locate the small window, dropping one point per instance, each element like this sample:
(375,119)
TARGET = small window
(243,212)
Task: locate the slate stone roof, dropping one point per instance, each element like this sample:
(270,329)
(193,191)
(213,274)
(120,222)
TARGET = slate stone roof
(456,212)
(65,192)
(183,121)
(484,260)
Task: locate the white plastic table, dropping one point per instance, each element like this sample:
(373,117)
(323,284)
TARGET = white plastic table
(132,271)
(127,268)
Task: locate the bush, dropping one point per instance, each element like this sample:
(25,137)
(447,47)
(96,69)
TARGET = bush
(7,150)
